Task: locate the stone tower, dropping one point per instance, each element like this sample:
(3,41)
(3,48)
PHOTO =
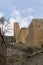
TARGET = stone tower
(35,36)
(38,31)
(16,31)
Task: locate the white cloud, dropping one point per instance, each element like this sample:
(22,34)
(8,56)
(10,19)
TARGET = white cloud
(30,10)
(16,12)
(31,17)
(16,16)
(23,22)
(1,14)
(10,27)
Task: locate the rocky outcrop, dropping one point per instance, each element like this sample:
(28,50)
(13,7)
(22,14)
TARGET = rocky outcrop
(2,51)
(22,55)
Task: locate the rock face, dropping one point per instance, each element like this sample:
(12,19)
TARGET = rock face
(35,36)
(17,56)
(2,51)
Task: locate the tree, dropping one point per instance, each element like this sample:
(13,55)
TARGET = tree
(3,25)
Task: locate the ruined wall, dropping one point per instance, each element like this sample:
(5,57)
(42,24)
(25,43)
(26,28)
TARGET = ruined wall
(20,34)
(35,36)
(38,31)
(23,34)
(30,37)
(16,31)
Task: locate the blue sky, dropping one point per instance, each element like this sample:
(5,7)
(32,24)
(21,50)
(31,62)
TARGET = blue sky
(21,11)
(6,7)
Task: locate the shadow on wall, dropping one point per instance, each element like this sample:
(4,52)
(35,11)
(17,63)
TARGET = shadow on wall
(2,60)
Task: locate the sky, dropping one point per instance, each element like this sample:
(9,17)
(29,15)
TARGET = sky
(21,11)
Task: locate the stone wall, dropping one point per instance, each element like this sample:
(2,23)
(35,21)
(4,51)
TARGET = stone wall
(35,36)
(23,34)
(20,34)
(16,31)
(24,55)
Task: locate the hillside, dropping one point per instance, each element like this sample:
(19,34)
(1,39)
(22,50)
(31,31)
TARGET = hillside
(18,54)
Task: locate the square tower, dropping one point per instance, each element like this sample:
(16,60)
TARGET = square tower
(16,31)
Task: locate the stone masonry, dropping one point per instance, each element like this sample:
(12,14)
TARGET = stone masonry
(23,34)
(35,36)
(20,34)
(32,36)
(16,31)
